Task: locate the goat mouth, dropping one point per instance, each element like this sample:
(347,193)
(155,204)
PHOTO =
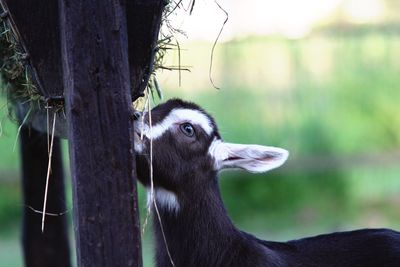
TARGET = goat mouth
(233,158)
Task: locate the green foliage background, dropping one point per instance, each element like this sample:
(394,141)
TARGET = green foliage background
(332,100)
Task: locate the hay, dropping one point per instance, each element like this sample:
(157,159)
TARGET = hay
(215,44)
(50,153)
(14,68)
(19,83)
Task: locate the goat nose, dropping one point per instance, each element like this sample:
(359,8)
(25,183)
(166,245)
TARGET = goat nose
(136,115)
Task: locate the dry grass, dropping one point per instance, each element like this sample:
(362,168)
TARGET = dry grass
(15,70)
(14,67)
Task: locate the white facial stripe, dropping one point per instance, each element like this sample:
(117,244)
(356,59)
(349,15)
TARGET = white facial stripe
(179,116)
(166,199)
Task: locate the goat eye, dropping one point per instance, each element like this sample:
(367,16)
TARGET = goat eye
(187,129)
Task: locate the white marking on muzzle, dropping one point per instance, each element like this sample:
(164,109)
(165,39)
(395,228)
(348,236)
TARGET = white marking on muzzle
(138,144)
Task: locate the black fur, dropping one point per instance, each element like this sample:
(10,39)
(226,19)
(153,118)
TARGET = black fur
(201,234)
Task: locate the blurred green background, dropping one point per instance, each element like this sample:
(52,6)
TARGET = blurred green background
(331,97)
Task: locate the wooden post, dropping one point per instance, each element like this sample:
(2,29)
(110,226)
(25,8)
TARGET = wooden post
(50,248)
(98,105)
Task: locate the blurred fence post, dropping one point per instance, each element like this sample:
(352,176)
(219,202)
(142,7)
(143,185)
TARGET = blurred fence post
(50,248)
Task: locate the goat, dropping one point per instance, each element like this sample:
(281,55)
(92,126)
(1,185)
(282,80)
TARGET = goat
(188,153)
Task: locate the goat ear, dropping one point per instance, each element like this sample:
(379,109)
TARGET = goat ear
(253,158)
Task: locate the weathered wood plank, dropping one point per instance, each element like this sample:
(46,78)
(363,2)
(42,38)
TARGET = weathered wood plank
(38,24)
(144,20)
(98,105)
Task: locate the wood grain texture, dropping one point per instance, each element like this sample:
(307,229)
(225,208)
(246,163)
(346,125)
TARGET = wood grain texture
(144,20)
(39,26)
(98,105)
